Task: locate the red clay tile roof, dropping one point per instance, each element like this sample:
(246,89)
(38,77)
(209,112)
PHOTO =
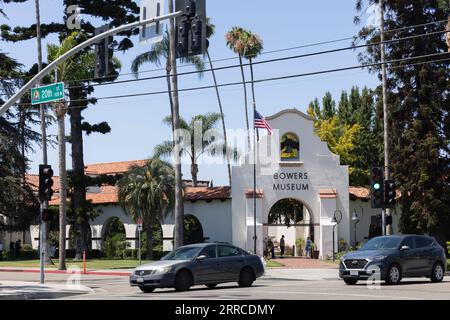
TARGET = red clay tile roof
(112,167)
(33,181)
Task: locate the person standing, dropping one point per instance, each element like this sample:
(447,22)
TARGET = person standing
(308,247)
(18,248)
(12,250)
(282,246)
(271,248)
(1,249)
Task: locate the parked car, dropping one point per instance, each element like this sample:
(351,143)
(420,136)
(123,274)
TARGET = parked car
(395,257)
(206,263)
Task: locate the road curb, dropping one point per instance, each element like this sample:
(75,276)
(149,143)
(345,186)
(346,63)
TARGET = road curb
(39,295)
(97,273)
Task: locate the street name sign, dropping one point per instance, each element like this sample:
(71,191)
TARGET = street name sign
(52,92)
(153,32)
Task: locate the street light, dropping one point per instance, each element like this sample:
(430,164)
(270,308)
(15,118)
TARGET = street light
(337,217)
(356,219)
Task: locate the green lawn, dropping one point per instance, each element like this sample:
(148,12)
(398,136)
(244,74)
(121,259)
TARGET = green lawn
(94,264)
(273,264)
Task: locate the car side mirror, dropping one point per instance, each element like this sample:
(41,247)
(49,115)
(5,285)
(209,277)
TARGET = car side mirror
(202,257)
(404,248)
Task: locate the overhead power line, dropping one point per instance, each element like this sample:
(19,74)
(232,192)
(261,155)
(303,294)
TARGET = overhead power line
(270,60)
(277,78)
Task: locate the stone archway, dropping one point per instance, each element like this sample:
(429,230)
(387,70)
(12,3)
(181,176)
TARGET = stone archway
(292,218)
(112,227)
(193,230)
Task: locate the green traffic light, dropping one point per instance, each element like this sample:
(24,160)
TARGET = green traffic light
(377,186)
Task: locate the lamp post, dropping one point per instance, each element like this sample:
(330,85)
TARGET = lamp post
(356,219)
(337,217)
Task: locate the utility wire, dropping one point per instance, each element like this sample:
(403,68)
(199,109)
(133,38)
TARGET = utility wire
(263,53)
(269,60)
(274,78)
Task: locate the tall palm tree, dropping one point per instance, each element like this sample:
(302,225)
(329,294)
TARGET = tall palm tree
(148,193)
(210,29)
(247,45)
(211,147)
(160,51)
(78,67)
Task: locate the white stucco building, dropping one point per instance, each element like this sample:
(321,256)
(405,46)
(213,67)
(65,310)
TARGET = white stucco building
(295,165)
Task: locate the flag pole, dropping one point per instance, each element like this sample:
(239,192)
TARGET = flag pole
(254,185)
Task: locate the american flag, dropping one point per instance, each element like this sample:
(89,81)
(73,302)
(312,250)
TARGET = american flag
(260,122)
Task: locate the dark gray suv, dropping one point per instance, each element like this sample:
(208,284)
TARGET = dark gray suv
(393,258)
(204,263)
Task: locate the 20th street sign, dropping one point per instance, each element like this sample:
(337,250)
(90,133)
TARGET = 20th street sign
(52,92)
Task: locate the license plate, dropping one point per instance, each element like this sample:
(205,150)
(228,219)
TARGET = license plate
(354,273)
(140,280)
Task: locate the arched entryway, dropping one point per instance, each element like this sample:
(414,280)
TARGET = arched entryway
(293,219)
(113,227)
(71,242)
(193,230)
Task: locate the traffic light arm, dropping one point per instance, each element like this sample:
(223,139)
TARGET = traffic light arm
(8,104)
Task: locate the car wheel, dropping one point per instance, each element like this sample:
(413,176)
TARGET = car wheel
(437,274)
(147,289)
(246,277)
(183,281)
(211,285)
(350,281)
(394,275)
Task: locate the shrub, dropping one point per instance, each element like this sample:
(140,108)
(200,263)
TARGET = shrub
(28,253)
(114,246)
(342,245)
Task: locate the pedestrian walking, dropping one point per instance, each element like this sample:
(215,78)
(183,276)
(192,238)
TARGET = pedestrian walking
(282,246)
(308,247)
(52,250)
(266,248)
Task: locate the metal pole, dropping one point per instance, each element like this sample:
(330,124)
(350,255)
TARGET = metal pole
(44,204)
(334,255)
(139,249)
(385,115)
(76,49)
(254,185)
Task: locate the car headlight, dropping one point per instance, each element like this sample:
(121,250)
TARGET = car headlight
(377,258)
(163,270)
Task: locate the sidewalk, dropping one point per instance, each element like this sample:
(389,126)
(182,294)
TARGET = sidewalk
(15,290)
(311,274)
(304,263)
(112,272)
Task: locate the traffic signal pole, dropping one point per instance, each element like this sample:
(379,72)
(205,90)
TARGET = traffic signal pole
(386,211)
(8,104)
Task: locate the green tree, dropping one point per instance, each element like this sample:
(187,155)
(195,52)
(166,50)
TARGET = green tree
(148,193)
(70,72)
(116,13)
(203,141)
(246,45)
(210,30)
(418,101)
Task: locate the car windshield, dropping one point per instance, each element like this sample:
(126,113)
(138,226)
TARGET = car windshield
(382,243)
(182,254)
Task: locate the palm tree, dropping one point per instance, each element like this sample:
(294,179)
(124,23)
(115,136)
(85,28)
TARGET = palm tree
(78,67)
(148,193)
(247,45)
(210,29)
(209,146)
(160,51)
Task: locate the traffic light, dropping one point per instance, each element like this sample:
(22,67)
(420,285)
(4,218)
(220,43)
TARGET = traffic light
(103,54)
(191,28)
(45,182)
(47,215)
(389,193)
(376,188)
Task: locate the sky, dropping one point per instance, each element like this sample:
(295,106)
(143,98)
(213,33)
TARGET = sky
(137,122)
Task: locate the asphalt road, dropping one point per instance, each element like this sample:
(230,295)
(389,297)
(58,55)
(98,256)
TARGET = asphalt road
(117,287)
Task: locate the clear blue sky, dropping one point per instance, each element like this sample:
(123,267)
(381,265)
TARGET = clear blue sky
(136,122)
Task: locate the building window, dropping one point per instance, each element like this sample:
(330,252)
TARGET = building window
(289,147)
